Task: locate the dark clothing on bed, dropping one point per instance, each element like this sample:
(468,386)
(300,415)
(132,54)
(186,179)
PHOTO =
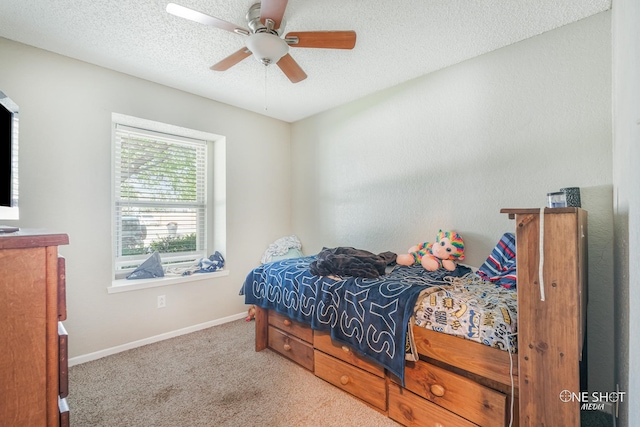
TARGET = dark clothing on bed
(346,261)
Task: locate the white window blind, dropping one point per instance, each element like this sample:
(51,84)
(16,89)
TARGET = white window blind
(160,198)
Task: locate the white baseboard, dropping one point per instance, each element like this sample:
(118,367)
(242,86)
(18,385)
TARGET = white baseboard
(113,350)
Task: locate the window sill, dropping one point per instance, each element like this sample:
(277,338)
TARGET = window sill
(124,285)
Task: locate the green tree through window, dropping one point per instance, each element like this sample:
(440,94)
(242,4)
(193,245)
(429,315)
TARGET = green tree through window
(160,197)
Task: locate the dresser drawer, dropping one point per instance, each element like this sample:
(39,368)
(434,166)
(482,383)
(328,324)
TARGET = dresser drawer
(63,363)
(291,347)
(62,289)
(291,327)
(411,410)
(322,341)
(63,408)
(368,387)
(477,403)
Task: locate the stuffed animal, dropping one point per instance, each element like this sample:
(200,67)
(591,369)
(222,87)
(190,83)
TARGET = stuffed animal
(447,249)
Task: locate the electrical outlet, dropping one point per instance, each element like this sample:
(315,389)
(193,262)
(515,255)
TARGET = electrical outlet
(162,301)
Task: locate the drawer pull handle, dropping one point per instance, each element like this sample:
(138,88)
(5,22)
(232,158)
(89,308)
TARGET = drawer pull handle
(287,347)
(345,349)
(437,390)
(344,380)
(287,322)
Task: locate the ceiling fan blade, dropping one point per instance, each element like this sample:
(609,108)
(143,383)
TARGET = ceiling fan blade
(231,60)
(322,39)
(194,15)
(274,10)
(291,69)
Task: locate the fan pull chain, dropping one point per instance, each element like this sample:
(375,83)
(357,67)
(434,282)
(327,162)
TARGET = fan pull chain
(265,88)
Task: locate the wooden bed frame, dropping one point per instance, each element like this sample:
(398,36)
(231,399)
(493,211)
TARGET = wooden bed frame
(458,382)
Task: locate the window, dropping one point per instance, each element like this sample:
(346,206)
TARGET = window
(160,198)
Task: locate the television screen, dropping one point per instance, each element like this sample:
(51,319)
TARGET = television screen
(5,156)
(8,158)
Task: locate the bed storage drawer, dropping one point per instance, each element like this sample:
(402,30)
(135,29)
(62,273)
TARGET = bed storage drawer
(411,410)
(368,387)
(465,397)
(291,327)
(322,341)
(291,347)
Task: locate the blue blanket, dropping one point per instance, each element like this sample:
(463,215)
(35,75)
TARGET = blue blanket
(370,315)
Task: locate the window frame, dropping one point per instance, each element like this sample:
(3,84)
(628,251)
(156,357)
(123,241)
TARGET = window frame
(214,220)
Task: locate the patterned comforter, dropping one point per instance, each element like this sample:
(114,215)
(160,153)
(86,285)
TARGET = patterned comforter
(471,308)
(370,315)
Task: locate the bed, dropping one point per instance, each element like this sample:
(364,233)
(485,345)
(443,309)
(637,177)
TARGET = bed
(425,348)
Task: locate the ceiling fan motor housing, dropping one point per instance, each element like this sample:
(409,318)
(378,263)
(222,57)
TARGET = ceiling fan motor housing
(257,26)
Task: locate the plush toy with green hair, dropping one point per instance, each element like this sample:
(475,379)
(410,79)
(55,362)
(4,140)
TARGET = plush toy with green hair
(447,249)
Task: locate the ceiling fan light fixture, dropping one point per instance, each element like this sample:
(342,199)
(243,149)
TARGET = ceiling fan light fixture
(265,40)
(267,48)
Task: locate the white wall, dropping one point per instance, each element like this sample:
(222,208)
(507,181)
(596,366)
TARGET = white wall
(452,148)
(65,185)
(626,176)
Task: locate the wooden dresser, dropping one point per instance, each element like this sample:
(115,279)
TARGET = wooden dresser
(33,361)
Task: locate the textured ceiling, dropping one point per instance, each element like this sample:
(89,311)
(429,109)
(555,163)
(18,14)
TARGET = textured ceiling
(396,41)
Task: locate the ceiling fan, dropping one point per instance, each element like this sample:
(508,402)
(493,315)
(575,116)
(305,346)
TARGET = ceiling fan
(264,40)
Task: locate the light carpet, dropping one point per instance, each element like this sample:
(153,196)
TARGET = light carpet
(210,378)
